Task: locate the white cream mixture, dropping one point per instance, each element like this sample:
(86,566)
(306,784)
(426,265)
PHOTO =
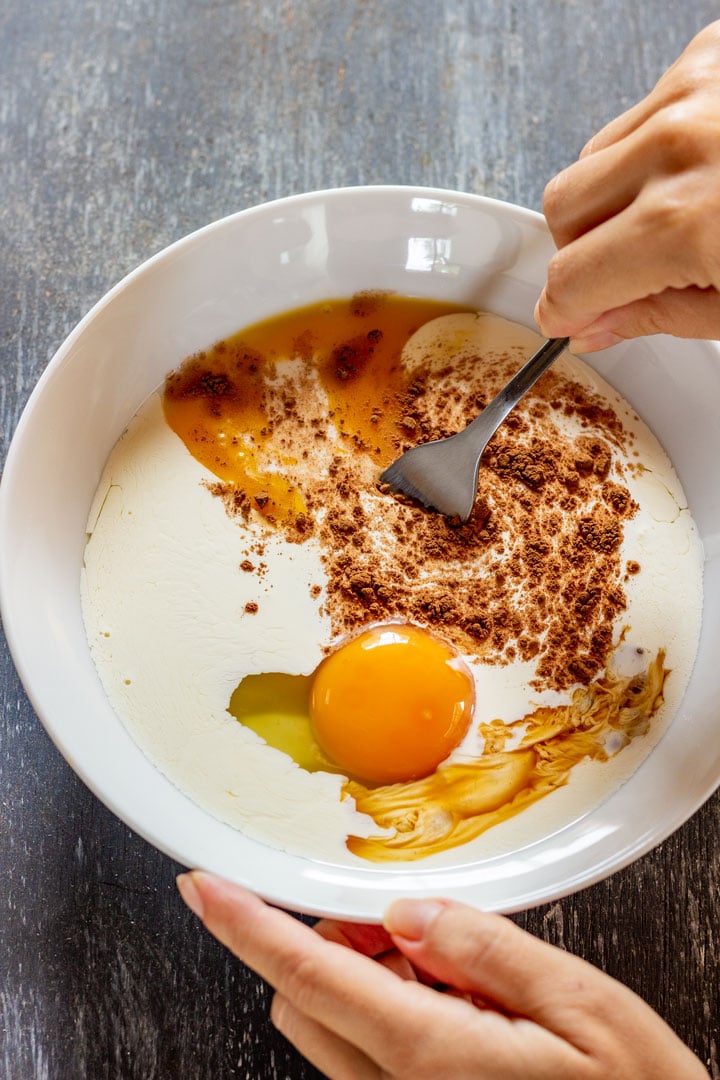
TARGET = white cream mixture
(164,605)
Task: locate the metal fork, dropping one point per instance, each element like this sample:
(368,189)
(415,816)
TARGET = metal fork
(443,474)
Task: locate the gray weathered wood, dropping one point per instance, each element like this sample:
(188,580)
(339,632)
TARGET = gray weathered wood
(124,125)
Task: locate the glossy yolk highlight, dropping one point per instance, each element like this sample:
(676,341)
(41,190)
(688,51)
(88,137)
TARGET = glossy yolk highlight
(391,704)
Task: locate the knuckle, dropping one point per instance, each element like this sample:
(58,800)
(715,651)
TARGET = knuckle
(672,135)
(480,939)
(424,1055)
(420,1062)
(709,35)
(430,1057)
(555,202)
(679,218)
(299,980)
(553,195)
(281,1014)
(558,275)
(682,81)
(683,132)
(552,302)
(552,310)
(490,943)
(653,319)
(564,203)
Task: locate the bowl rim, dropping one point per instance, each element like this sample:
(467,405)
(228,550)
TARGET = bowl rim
(398,884)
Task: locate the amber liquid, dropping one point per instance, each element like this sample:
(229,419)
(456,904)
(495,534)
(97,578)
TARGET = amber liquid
(217,402)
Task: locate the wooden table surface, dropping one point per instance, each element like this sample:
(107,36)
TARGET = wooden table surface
(125,124)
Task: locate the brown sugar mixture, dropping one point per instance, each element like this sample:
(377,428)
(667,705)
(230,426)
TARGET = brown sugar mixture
(298,415)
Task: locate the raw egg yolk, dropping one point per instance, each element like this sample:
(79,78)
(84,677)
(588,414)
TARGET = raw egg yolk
(390,704)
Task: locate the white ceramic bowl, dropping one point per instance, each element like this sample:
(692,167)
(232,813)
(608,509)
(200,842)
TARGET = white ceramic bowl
(423,242)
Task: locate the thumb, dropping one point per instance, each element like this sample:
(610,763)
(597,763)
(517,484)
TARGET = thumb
(685,313)
(487,955)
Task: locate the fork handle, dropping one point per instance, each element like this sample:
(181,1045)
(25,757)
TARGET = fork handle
(496,411)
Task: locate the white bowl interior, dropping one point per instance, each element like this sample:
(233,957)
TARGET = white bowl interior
(246,267)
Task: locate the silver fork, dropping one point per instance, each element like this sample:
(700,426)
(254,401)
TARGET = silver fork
(443,474)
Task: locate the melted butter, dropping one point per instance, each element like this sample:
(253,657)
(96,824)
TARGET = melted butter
(460,801)
(220,402)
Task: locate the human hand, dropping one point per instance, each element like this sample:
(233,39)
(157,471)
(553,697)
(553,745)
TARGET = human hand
(515,1007)
(637,218)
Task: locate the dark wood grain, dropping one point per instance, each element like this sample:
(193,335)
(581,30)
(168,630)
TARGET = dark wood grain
(122,127)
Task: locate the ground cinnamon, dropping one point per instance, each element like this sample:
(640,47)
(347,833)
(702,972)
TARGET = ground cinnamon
(537,572)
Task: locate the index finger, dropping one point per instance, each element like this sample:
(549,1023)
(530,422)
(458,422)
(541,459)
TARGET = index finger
(697,62)
(348,993)
(632,256)
(620,127)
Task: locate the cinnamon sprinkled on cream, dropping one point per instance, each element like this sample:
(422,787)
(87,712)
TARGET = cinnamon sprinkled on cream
(535,574)
(236,567)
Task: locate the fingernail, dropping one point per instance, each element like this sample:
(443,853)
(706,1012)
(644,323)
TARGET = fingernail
(189,892)
(411,918)
(594,342)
